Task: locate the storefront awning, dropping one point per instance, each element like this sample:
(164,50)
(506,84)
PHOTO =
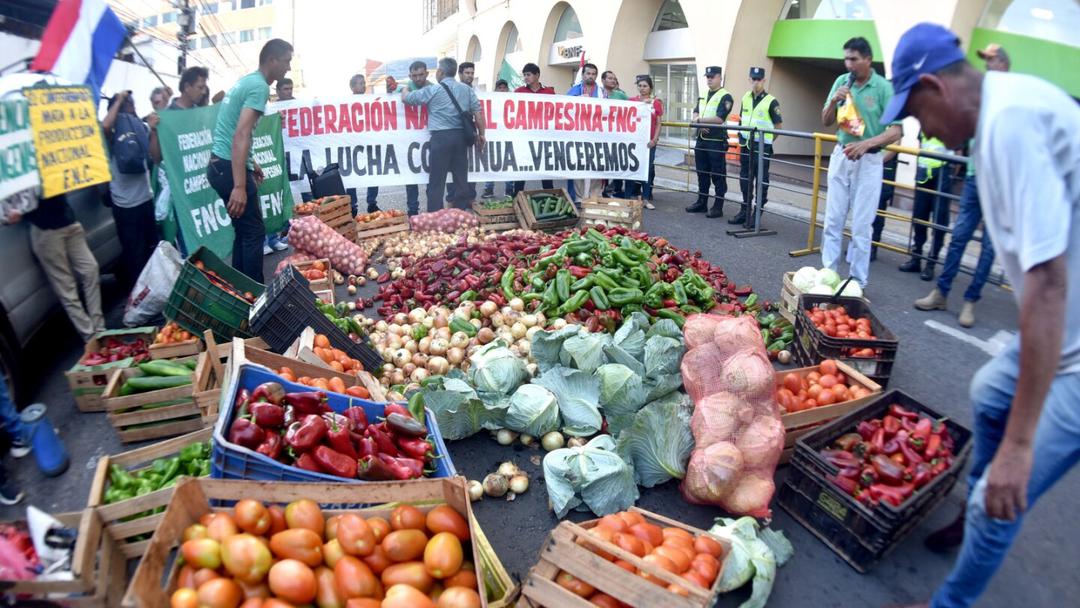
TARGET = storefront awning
(819,38)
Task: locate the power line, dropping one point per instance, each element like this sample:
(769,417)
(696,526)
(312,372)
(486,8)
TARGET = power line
(212,17)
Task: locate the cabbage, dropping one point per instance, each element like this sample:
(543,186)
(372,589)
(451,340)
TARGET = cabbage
(457,408)
(545,346)
(621,391)
(631,336)
(662,356)
(659,441)
(533,410)
(593,477)
(805,278)
(585,351)
(827,276)
(754,554)
(579,399)
(494,369)
(820,290)
(852,290)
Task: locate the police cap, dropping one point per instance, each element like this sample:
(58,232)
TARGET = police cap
(712,70)
(757,73)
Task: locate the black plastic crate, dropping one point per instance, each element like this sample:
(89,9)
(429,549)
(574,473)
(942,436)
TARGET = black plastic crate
(288,306)
(814,346)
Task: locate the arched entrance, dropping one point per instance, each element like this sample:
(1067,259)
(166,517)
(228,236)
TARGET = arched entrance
(567,44)
(510,56)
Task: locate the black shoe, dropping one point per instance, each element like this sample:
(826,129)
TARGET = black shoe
(739,218)
(700,206)
(912,265)
(717,210)
(948,538)
(928,272)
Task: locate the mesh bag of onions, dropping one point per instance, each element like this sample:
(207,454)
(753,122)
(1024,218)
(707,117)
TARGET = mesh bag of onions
(738,435)
(444,220)
(310,235)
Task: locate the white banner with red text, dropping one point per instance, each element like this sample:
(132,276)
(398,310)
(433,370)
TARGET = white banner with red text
(381,141)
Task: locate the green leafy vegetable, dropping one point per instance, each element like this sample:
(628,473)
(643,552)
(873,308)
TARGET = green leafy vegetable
(593,477)
(659,441)
(494,369)
(579,399)
(534,410)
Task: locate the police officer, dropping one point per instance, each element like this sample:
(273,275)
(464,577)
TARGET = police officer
(711,144)
(760,110)
(933,176)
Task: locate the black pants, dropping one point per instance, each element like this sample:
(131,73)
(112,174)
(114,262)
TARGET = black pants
(546,184)
(412,199)
(748,167)
(137,231)
(248,229)
(927,205)
(447,155)
(888,173)
(711,167)
(643,189)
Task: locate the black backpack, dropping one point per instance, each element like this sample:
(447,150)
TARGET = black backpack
(130,144)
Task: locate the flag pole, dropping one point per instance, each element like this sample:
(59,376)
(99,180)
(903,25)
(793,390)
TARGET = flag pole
(145,64)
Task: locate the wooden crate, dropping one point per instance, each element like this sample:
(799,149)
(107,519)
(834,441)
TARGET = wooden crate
(496,220)
(133,423)
(87,383)
(127,520)
(525,215)
(788,306)
(193,498)
(571,548)
(319,284)
(305,365)
(186,348)
(210,374)
(797,424)
(381,228)
(326,295)
(628,213)
(479,209)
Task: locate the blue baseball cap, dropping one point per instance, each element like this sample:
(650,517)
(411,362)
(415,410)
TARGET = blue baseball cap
(923,49)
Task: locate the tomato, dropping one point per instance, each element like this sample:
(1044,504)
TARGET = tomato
(184,598)
(465,577)
(332,552)
(604,534)
(841,378)
(276,603)
(574,584)
(206,518)
(612,522)
(245,558)
(354,578)
(202,553)
(443,555)
(675,555)
(219,593)
(336,385)
(251,516)
(260,590)
(221,527)
(298,543)
(407,517)
(355,535)
(705,544)
(840,393)
(379,527)
(604,600)
(826,397)
(304,513)
(327,594)
(631,517)
(293,581)
(330,531)
(792,382)
(409,573)
(404,596)
(363,602)
(813,392)
(277,520)
(707,566)
(678,590)
(813,377)
(828,367)
(827,381)
(186,578)
(809,404)
(628,542)
(377,561)
(195,531)
(695,577)
(404,545)
(204,574)
(650,533)
(444,518)
(459,597)
(661,562)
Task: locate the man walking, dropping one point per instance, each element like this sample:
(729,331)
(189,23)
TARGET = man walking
(855,167)
(759,110)
(711,144)
(446,104)
(967,220)
(358,86)
(1027,431)
(531,74)
(231,173)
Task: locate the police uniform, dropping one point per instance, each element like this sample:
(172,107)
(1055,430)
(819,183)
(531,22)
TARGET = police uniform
(763,112)
(710,148)
(931,176)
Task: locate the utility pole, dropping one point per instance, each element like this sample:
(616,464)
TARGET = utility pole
(186,21)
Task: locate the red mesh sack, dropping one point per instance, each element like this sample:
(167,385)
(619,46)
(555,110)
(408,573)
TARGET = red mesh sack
(311,235)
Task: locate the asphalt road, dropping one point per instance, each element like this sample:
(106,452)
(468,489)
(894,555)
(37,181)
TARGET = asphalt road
(933,366)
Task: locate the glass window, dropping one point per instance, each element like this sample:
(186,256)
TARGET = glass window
(168,17)
(247,35)
(670,17)
(150,21)
(228,38)
(264,33)
(1056,20)
(676,84)
(208,41)
(265,2)
(209,8)
(827,9)
(247,3)
(513,44)
(569,27)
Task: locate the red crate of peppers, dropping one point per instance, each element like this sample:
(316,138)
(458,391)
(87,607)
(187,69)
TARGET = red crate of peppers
(280,430)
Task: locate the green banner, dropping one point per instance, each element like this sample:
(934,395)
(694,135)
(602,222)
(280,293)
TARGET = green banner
(18,164)
(186,137)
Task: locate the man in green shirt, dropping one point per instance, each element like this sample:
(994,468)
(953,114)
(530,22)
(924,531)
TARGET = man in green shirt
(855,168)
(231,173)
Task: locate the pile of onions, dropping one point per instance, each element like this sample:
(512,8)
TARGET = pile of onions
(445,220)
(428,244)
(311,235)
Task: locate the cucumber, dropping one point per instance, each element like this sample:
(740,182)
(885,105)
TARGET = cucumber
(163,368)
(144,384)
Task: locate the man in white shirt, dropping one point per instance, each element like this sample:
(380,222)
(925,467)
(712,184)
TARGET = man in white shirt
(1027,417)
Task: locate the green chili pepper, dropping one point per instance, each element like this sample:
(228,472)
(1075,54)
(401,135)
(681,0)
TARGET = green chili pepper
(623,257)
(550,299)
(667,313)
(584,259)
(594,235)
(537,282)
(574,303)
(507,283)
(562,284)
(579,246)
(690,309)
(603,280)
(751,300)
(468,296)
(680,293)
(582,283)
(621,297)
(599,298)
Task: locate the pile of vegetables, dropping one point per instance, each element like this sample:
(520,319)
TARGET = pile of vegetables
(297,556)
(825,386)
(311,235)
(315,270)
(890,458)
(509,481)
(755,554)
(338,314)
(377,216)
(506,203)
(157,375)
(548,207)
(300,429)
(193,461)
(825,282)
(406,248)
(332,384)
(172,333)
(306,208)
(337,359)
(224,285)
(835,322)
(112,349)
(444,220)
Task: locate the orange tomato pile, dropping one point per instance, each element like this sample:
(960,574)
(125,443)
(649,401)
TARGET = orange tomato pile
(172,334)
(316,271)
(337,359)
(697,560)
(332,384)
(306,208)
(837,323)
(268,557)
(825,386)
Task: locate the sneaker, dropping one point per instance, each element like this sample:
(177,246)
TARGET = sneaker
(488,194)
(267,250)
(19,449)
(279,246)
(11,496)
(649,205)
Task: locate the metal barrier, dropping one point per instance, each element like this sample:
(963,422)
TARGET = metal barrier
(752,226)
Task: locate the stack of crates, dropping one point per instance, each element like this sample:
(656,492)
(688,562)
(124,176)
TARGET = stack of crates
(812,346)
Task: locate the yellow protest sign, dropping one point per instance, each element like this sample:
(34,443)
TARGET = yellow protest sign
(67,138)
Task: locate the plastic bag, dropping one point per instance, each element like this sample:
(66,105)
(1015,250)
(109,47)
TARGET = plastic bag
(151,292)
(848,118)
(163,202)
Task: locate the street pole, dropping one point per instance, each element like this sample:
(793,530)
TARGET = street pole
(186,21)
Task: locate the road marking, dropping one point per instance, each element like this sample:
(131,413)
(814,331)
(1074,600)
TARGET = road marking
(992,347)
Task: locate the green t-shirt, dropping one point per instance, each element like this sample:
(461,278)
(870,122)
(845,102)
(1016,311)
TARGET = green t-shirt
(870,100)
(618,94)
(251,91)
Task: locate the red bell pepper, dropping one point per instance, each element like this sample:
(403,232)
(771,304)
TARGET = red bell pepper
(357,416)
(383,441)
(933,445)
(246,433)
(270,392)
(271,446)
(847,484)
(307,403)
(891,424)
(923,429)
(897,410)
(908,449)
(308,463)
(866,429)
(877,443)
(892,495)
(405,426)
(396,408)
(370,468)
(267,415)
(868,476)
(335,462)
(922,475)
(888,471)
(840,458)
(366,447)
(411,468)
(306,433)
(416,447)
(339,436)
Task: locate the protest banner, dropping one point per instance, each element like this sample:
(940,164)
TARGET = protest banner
(381,141)
(18,166)
(186,137)
(68,146)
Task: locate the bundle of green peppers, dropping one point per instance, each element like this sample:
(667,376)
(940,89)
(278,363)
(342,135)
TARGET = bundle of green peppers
(339,316)
(777,332)
(193,461)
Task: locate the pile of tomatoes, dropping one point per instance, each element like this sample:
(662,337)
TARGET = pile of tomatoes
(337,359)
(835,322)
(697,560)
(825,386)
(172,333)
(314,271)
(267,557)
(332,384)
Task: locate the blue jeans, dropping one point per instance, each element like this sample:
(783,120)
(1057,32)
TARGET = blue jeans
(967,220)
(1056,450)
(9,416)
(412,198)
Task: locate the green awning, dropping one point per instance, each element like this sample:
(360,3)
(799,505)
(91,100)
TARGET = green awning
(1052,61)
(820,38)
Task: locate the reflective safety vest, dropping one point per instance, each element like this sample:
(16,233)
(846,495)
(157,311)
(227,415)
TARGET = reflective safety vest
(927,164)
(712,106)
(756,116)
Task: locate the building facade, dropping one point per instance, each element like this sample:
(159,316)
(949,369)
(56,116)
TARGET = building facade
(798,42)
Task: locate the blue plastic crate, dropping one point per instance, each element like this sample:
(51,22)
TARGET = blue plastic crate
(231,461)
